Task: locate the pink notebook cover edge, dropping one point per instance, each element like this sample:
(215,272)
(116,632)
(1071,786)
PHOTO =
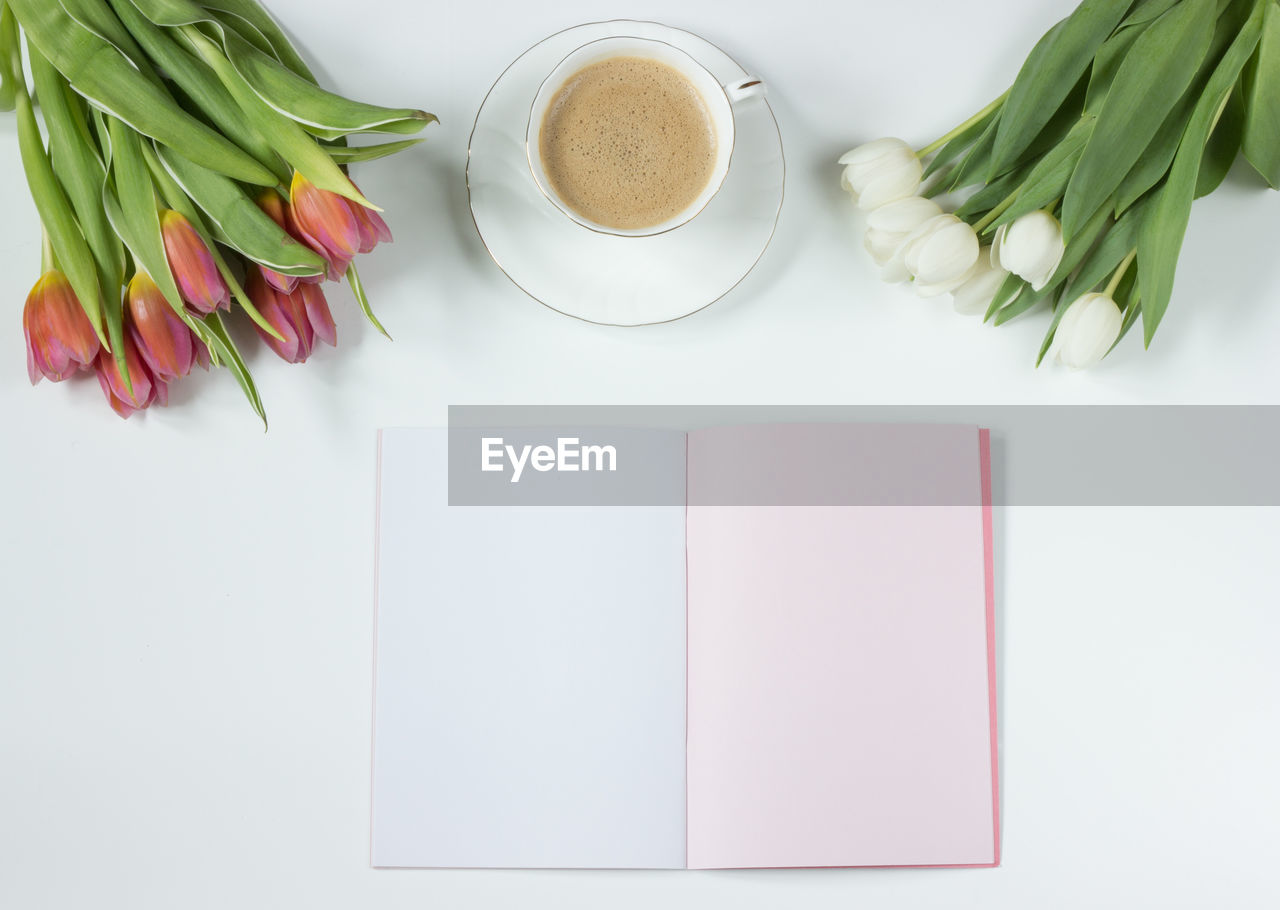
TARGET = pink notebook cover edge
(686,651)
(989,577)
(373,712)
(989,571)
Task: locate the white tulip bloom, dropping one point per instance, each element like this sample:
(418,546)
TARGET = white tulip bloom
(896,269)
(1031,247)
(880,172)
(940,255)
(975,295)
(1087,330)
(889,226)
(949,286)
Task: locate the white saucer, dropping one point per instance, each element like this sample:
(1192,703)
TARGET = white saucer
(600,277)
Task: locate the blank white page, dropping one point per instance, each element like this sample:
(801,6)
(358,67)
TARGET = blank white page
(530,694)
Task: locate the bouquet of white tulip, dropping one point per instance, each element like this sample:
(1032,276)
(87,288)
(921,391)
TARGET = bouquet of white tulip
(1080,178)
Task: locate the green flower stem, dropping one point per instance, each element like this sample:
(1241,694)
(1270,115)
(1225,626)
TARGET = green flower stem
(996,212)
(943,140)
(1119,273)
(48,259)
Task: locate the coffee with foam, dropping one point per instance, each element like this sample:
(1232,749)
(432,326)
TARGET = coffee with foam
(628,143)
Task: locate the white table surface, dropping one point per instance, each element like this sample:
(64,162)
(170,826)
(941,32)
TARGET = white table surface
(186,603)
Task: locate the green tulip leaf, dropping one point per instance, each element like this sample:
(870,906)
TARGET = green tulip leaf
(251,34)
(1060,307)
(8,34)
(362,298)
(175,14)
(136,210)
(56,212)
(987,198)
(1124,291)
(200,85)
(1049,75)
(1152,77)
(1097,265)
(1010,289)
(974,166)
(172,13)
(1155,161)
(111,83)
(98,121)
(358,154)
(257,20)
(1059,127)
(1106,64)
(277,84)
(237,221)
(971,170)
(214,334)
(1261,143)
(976,161)
(293,143)
(1224,145)
(1160,239)
(1024,303)
(1131,314)
(79,168)
(393,128)
(1145,11)
(95,17)
(956,145)
(1048,179)
(307,103)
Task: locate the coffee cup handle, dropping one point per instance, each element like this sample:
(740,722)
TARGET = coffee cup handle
(743,89)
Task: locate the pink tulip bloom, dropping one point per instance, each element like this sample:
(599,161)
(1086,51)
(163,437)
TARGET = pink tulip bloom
(271,203)
(192,264)
(334,227)
(300,318)
(166,345)
(60,338)
(373,230)
(147,387)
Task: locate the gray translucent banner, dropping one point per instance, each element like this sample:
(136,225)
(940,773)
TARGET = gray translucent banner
(565,465)
(864,455)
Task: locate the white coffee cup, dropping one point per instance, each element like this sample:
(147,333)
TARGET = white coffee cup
(719,100)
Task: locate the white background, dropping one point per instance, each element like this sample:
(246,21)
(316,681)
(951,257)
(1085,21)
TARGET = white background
(185,639)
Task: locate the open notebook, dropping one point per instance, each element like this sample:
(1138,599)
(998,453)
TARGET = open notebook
(701,686)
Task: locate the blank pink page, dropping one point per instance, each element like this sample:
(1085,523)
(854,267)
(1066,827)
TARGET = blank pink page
(840,674)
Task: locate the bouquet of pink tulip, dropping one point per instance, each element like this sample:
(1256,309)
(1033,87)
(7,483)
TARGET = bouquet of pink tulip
(1080,178)
(191,161)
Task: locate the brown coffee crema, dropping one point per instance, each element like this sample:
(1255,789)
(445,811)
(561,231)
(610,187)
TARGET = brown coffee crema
(628,143)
